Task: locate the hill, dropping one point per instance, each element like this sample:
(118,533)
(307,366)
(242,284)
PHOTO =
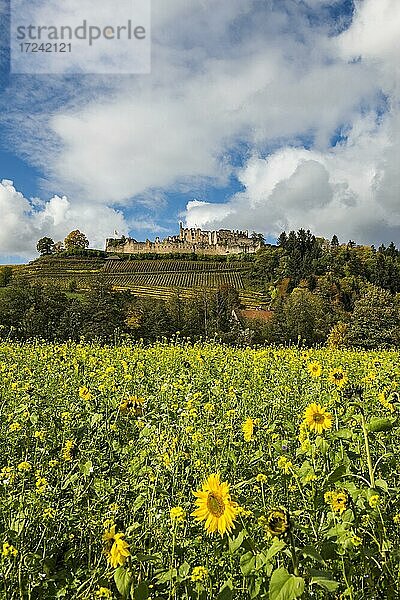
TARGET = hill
(155,278)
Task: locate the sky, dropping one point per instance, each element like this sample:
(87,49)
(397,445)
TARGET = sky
(266,115)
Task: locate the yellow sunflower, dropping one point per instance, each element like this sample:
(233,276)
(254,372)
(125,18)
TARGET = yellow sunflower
(338,500)
(338,377)
(276,522)
(248,429)
(314,369)
(117,549)
(317,418)
(214,505)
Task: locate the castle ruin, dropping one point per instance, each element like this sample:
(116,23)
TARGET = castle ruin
(190,240)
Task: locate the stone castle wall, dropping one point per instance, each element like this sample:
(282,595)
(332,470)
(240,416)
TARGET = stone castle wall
(217,243)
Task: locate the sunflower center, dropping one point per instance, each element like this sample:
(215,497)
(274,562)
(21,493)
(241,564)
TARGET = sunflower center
(318,418)
(338,376)
(215,504)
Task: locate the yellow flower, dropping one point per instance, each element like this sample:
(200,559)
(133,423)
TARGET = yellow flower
(261,478)
(66,416)
(24,466)
(67,450)
(248,429)
(374,501)
(117,549)
(49,513)
(14,427)
(385,402)
(317,418)
(39,435)
(177,514)
(338,377)
(7,475)
(214,505)
(314,369)
(84,393)
(199,574)
(284,464)
(338,500)
(104,593)
(9,550)
(208,407)
(132,404)
(396,519)
(53,463)
(41,485)
(276,522)
(356,541)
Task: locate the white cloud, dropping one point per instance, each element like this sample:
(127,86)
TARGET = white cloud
(24,222)
(240,75)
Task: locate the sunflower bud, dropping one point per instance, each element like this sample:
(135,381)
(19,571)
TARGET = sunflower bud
(277,522)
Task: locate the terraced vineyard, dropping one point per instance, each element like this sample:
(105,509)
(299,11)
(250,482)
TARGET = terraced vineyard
(148,278)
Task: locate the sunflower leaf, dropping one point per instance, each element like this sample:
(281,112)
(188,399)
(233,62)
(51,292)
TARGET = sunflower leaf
(123,581)
(236,542)
(284,586)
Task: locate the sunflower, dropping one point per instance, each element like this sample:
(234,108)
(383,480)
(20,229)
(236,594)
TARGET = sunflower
(338,377)
(214,505)
(117,549)
(338,500)
(132,404)
(277,522)
(317,418)
(248,429)
(314,369)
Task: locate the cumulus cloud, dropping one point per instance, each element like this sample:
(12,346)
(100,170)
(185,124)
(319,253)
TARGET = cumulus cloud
(352,188)
(24,222)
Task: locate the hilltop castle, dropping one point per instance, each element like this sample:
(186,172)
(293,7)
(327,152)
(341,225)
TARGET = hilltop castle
(189,240)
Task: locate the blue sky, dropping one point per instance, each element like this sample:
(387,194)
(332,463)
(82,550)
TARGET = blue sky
(268,115)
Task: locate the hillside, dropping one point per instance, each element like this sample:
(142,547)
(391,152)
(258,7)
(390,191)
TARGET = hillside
(145,278)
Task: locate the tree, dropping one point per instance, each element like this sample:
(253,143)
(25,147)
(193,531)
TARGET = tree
(375,321)
(45,246)
(335,242)
(76,240)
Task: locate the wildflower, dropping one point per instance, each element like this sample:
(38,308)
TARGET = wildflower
(9,550)
(104,592)
(14,427)
(7,475)
(317,418)
(199,574)
(261,478)
(67,450)
(242,511)
(374,501)
(230,413)
(24,466)
(41,485)
(338,377)
(356,541)
(197,436)
(66,416)
(177,514)
(84,393)
(214,505)
(284,464)
(396,519)
(208,407)
(248,429)
(49,513)
(337,499)
(53,463)
(314,369)
(117,549)
(277,522)
(39,435)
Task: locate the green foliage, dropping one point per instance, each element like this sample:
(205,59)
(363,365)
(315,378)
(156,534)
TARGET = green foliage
(45,246)
(76,240)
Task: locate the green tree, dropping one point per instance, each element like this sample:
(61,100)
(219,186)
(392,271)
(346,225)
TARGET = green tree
(75,241)
(45,246)
(375,322)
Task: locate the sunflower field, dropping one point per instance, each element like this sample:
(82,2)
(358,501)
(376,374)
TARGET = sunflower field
(204,472)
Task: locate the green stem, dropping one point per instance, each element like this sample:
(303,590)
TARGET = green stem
(367,451)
